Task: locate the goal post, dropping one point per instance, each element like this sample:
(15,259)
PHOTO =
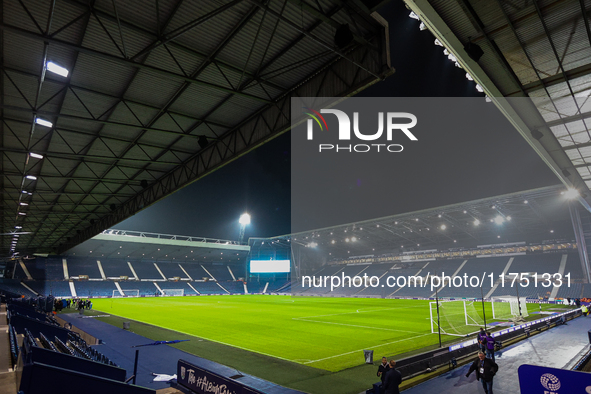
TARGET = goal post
(126,293)
(507,307)
(173,292)
(457,318)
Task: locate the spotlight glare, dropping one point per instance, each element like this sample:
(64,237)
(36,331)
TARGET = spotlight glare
(499,219)
(476,222)
(571,194)
(36,155)
(59,70)
(31,177)
(244,219)
(43,122)
(443,226)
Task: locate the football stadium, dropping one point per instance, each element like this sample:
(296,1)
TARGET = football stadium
(178,218)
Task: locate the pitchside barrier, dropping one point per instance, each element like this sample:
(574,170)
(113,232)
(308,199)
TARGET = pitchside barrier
(434,358)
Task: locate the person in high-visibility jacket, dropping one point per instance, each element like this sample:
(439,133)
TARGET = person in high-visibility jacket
(584,310)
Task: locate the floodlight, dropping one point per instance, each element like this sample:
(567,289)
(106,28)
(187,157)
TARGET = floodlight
(347,239)
(18,227)
(571,194)
(414,16)
(422,26)
(354,239)
(499,219)
(35,155)
(59,70)
(22,213)
(509,218)
(469,77)
(23,203)
(476,222)
(43,122)
(437,42)
(452,58)
(479,88)
(244,219)
(31,177)
(443,226)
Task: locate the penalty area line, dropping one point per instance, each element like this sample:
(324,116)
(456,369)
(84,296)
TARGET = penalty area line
(352,325)
(368,347)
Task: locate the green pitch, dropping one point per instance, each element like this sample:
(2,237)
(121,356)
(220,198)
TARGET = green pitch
(325,333)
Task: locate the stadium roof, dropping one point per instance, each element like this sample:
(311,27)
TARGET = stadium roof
(158,94)
(135,245)
(534,216)
(531,49)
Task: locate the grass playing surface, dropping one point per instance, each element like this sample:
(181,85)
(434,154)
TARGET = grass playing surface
(326,333)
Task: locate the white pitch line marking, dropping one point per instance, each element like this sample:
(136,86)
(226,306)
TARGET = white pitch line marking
(352,325)
(350,313)
(355,351)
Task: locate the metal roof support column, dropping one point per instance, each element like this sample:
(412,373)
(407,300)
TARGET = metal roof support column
(581,241)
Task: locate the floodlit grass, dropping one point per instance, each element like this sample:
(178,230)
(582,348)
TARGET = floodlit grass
(326,333)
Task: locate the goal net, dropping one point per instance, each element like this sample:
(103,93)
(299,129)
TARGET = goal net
(458,318)
(508,308)
(173,292)
(126,293)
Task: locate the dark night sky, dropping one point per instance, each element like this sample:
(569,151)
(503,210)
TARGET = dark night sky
(259,182)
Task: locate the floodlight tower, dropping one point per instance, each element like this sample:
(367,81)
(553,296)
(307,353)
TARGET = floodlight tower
(244,221)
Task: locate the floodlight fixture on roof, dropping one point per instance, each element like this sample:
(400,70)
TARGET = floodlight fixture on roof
(31,177)
(479,88)
(499,219)
(23,203)
(413,16)
(422,26)
(476,222)
(22,213)
(56,69)
(36,155)
(443,227)
(469,77)
(571,193)
(244,219)
(43,122)
(437,42)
